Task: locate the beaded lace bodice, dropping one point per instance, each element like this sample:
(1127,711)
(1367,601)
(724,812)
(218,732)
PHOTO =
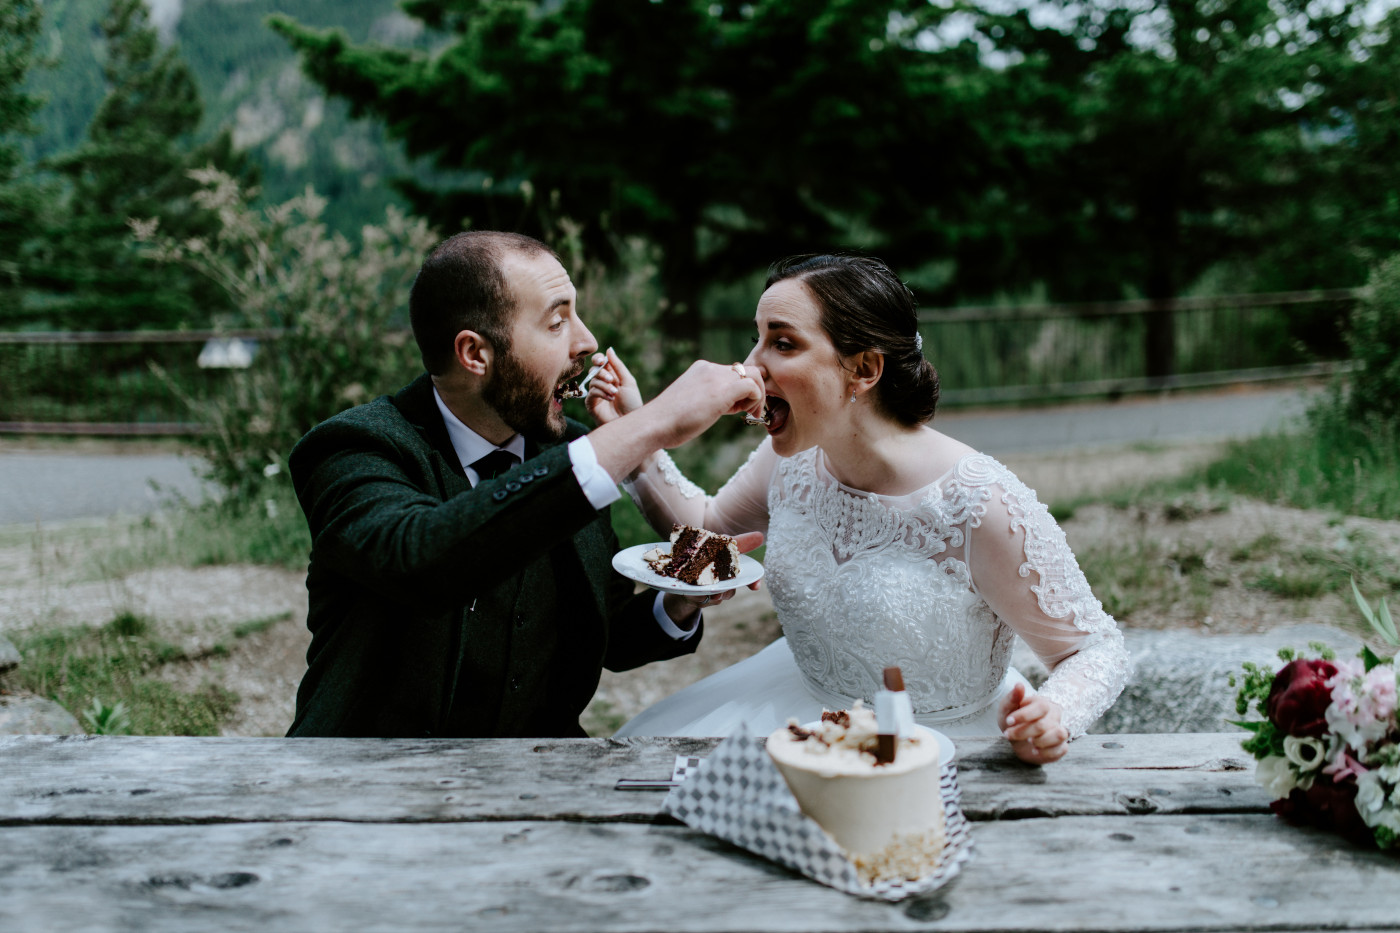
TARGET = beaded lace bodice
(861,583)
(939,582)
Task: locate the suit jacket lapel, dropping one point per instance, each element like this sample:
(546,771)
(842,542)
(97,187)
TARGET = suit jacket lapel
(415,402)
(588,549)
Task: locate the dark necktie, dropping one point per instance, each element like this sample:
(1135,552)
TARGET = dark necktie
(494,464)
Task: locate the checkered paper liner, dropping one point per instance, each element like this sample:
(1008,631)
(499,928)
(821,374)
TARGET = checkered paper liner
(738,794)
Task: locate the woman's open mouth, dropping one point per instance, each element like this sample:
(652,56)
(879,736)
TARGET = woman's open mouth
(777,410)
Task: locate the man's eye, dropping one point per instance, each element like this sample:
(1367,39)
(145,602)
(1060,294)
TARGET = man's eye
(556,325)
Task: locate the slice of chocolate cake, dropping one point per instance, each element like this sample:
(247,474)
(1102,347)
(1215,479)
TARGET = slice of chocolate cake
(697,557)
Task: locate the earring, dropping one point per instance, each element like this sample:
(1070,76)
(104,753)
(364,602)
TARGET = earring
(853,395)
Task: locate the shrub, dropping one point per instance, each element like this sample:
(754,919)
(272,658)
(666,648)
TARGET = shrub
(1374,340)
(341,310)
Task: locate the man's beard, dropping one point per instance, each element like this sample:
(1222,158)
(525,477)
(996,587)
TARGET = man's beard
(524,402)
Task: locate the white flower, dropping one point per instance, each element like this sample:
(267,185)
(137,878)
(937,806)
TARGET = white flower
(1276,776)
(1306,753)
(272,469)
(271,506)
(1370,797)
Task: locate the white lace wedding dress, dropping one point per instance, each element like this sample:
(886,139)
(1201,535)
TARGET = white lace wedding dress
(938,582)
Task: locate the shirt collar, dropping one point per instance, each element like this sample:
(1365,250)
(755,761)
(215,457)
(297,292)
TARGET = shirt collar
(469,445)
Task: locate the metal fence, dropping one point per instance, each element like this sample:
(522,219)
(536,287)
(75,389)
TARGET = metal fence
(141,383)
(1061,351)
(109,383)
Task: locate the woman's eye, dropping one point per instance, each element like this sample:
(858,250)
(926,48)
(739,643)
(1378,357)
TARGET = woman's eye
(556,325)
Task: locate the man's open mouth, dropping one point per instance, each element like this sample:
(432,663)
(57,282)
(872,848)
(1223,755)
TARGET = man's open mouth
(568,387)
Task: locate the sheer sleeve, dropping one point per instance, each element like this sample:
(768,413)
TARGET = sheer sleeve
(665,496)
(1022,566)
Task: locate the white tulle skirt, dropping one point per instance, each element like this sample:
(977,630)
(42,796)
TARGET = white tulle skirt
(765,691)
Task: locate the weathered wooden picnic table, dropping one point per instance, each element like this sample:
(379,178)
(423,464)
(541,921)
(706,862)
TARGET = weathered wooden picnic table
(1133,832)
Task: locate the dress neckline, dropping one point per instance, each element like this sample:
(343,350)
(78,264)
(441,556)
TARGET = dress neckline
(820,463)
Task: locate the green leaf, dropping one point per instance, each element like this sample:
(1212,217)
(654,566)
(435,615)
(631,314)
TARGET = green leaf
(1389,623)
(1371,658)
(1382,622)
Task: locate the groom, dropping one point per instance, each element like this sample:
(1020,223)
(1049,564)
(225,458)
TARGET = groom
(460,580)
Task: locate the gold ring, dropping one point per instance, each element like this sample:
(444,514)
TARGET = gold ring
(739,368)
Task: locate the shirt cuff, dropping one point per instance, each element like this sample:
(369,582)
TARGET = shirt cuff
(670,627)
(596,482)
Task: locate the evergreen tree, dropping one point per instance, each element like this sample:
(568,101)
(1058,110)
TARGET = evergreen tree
(726,134)
(1084,150)
(134,164)
(19,199)
(1185,136)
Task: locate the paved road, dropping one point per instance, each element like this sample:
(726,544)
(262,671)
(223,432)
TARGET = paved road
(58,483)
(53,484)
(1233,414)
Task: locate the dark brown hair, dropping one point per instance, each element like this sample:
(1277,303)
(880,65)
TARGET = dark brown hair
(461,287)
(864,306)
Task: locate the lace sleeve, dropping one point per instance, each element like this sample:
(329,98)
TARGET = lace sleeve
(1022,566)
(665,496)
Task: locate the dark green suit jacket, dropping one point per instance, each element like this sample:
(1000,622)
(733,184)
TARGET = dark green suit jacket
(419,584)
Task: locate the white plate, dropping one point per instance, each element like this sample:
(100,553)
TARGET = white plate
(629,563)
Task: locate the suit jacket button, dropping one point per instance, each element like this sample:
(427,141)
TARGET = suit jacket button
(520,620)
(527,477)
(515,683)
(541,471)
(499,494)
(513,486)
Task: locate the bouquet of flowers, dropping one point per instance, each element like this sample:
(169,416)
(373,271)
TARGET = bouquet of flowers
(1328,747)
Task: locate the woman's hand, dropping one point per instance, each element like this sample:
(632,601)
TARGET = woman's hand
(613,391)
(1032,724)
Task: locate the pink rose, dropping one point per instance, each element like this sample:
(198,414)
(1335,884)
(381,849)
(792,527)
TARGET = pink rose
(1298,701)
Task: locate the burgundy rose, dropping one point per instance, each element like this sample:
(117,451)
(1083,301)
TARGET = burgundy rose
(1327,806)
(1298,702)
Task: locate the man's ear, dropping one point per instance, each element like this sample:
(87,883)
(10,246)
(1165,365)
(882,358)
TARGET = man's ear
(867,367)
(473,352)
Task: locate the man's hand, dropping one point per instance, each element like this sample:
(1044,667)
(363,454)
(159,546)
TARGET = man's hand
(685,610)
(1032,724)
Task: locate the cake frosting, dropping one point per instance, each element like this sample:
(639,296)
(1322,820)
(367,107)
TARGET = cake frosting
(886,815)
(697,556)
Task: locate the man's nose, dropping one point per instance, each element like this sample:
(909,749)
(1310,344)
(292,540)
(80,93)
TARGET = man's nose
(585,343)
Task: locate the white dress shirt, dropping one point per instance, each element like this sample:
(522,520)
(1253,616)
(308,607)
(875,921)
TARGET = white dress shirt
(597,484)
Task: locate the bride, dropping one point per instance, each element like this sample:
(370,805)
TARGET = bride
(889,543)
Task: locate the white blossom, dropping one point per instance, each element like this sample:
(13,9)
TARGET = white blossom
(1306,753)
(1276,776)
